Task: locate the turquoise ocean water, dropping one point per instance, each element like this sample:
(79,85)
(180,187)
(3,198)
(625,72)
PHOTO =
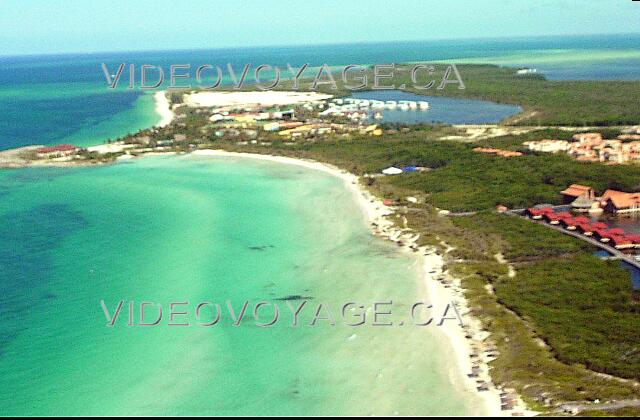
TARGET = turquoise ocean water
(195,229)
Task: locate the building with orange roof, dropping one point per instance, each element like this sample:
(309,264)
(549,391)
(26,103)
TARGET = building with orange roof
(592,147)
(60,150)
(620,202)
(576,191)
(497,152)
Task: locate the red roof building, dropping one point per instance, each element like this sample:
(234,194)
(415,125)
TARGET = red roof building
(621,242)
(617,232)
(602,234)
(59,150)
(634,238)
(569,223)
(599,225)
(538,213)
(585,229)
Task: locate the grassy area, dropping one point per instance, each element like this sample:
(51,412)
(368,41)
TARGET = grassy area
(583,309)
(542,319)
(521,241)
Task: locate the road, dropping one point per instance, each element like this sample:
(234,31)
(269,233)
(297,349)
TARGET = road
(615,405)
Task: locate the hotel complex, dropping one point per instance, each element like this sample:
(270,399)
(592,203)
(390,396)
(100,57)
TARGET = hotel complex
(592,147)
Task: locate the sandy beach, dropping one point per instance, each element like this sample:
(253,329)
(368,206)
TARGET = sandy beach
(265,98)
(163,108)
(469,345)
(440,294)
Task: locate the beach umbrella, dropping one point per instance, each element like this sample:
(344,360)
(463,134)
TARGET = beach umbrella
(392,171)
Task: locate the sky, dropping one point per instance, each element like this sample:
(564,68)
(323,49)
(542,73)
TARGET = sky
(67,26)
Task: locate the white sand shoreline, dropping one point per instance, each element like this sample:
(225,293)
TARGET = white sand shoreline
(252,98)
(163,108)
(376,213)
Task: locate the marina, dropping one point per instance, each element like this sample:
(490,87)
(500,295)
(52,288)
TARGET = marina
(409,108)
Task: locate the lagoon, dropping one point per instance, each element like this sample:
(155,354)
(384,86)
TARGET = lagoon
(441,110)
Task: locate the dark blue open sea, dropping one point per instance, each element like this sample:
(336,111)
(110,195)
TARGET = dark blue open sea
(64,98)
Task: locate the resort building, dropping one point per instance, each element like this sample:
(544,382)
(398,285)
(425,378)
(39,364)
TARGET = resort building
(620,202)
(588,138)
(599,231)
(548,146)
(526,71)
(591,147)
(61,150)
(576,191)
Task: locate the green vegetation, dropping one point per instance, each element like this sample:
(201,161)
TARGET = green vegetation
(519,240)
(544,102)
(461,179)
(554,103)
(565,314)
(582,307)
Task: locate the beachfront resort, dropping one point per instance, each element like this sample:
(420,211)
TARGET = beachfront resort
(581,214)
(246,118)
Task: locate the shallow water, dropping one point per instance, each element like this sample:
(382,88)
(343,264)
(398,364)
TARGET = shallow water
(167,229)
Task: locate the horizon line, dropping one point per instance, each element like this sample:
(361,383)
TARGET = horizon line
(321,44)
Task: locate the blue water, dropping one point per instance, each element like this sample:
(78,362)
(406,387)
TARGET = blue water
(441,110)
(64,98)
(635,272)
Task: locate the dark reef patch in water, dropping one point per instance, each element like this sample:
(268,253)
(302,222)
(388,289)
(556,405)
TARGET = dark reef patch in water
(294,298)
(27,242)
(261,247)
